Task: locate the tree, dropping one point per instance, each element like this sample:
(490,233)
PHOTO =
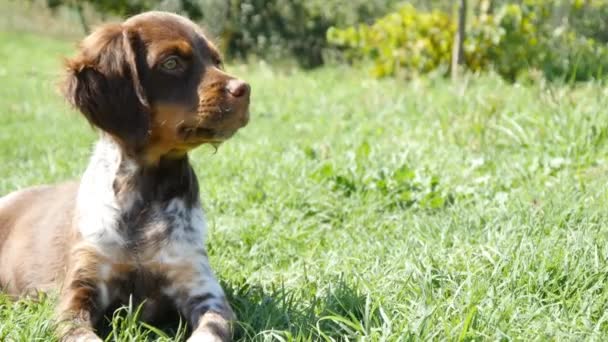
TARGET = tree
(459,37)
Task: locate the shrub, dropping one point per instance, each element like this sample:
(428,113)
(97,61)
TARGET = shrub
(589,18)
(520,28)
(277,29)
(274,29)
(518,37)
(406,42)
(579,49)
(267,28)
(556,39)
(575,57)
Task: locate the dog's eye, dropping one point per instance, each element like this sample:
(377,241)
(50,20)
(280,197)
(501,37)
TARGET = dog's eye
(217,62)
(170,64)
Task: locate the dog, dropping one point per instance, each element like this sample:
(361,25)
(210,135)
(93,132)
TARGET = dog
(131,230)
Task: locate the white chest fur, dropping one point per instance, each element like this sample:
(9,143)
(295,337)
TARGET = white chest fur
(149,233)
(96,207)
(99,212)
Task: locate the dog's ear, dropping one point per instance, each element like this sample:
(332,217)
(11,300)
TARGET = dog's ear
(103,83)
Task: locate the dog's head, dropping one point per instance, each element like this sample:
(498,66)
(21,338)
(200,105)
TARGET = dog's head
(156,84)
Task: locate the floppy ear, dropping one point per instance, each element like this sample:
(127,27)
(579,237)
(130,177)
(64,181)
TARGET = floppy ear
(103,83)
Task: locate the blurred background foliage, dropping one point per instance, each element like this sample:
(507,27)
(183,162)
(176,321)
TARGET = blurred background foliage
(559,39)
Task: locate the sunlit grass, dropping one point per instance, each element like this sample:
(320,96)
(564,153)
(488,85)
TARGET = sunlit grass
(352,207)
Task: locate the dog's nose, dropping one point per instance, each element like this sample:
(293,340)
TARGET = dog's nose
(238,88)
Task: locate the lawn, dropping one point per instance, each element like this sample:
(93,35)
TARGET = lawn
(359,209)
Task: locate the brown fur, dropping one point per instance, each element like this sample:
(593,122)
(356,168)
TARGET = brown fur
(153,115)
(22,271)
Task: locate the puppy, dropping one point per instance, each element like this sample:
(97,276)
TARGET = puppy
(132,229)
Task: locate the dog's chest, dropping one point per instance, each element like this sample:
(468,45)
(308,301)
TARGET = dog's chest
(154,247)
(148,227)
(121,205)
(142,228)
(145,225)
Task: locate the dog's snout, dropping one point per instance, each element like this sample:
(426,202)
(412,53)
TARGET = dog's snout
(238,88)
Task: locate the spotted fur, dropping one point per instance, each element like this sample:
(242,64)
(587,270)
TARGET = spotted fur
(132,230)
(143,235)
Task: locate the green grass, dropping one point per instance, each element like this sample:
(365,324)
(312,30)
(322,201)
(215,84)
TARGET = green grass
(358,209)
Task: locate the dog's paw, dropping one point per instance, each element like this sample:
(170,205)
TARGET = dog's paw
(205,336)
(81,335)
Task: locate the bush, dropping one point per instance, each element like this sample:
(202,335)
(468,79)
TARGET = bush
(530,38)
(521,34)
(589,18)
(406,42)
(575,58)
(564,38)
(517,38)
(274,29)
(270,29)
(285,28)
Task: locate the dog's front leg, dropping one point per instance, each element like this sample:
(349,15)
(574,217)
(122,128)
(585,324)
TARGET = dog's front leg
(210,314)
(213,326)
(202,301)
(80,301)
(76,312)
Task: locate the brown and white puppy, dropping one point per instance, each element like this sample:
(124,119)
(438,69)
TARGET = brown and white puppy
(132,228)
